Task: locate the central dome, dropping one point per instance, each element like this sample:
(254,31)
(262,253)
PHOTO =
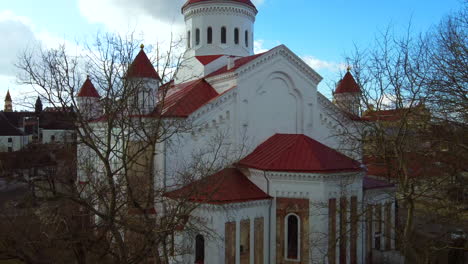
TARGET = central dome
(246,2)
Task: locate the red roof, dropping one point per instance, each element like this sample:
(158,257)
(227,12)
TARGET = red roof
(226,186)
(183,99)
(298,153)
(246,2)
(237,64)
(205,60)
(386,115)
(142,67)
(88,89)
(347,85)
(372,183)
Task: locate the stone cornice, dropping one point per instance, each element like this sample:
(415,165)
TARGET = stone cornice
(287,54)
(232,8)
(234,206)
(317,177)
(209,107)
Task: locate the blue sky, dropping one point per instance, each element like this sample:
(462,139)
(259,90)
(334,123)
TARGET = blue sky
(320,31)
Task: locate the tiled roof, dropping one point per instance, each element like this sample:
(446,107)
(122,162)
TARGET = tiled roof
(47,120)
(372,183)
(183,99)
(8,129)
(142,67)
(88,89)
(298,153)
(347,85)
(237,64)
(247,2)
(205,60)
(386,115)
(226,186)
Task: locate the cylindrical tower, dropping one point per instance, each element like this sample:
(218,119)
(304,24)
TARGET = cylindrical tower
(219,27)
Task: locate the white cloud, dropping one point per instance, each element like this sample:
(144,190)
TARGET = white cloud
(318,64)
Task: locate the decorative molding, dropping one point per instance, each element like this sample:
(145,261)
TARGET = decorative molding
(204,9)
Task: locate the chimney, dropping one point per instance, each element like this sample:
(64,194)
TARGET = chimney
(231,62)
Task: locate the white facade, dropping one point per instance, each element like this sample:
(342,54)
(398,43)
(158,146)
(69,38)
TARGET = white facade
(13,143)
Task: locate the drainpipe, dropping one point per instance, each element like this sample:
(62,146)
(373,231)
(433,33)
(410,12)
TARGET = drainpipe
(269,217)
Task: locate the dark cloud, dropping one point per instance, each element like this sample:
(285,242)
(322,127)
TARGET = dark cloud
(165,10)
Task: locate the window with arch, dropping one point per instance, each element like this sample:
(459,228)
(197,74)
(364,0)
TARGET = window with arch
(236,36)
(197,37)
(292,245)
(199,249)
(188,39)
(223,35)
(209,35)
(246,38)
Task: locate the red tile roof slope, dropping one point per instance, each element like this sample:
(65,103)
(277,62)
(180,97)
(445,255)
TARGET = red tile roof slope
(347,85)
(386,115)
(142,67)
(186,98)
(237,64)
(88,89)
(205,60)
(247,2)
(371,183)
(226,186)
(298,153)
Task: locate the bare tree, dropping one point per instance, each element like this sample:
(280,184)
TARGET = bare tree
(116,211)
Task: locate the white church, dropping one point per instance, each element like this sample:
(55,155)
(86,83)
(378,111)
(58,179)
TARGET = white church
(294,195)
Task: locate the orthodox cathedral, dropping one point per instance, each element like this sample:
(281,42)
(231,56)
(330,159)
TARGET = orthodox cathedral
(293,191)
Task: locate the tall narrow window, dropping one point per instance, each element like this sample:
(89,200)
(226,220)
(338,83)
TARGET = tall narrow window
(197,37)
(199,249)
(236,36)
(223,35)
(209,35)
(246,38)
(292,237)
(188,39)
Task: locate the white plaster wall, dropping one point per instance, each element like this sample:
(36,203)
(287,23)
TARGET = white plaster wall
(61,136)
(274,98)
(18,142)
(216,216)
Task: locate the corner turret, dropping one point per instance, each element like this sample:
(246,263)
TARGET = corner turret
(88,100)
(347,95)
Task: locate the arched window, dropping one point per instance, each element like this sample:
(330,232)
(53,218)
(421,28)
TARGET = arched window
(223,35)
(197,37)
(188,39)
(246,38)
(209,35)
(236,36)
(199,249)
(292,244)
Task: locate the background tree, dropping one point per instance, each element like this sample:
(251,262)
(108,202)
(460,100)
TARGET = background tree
(413,129)
(116,210)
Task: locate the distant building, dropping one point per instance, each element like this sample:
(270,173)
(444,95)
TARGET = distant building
(49,125)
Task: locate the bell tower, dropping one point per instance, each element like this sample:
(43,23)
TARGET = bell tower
(219,27)
(8,103)
(347,95)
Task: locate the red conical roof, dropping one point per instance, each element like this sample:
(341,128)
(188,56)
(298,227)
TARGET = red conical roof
(298,153)
(142,67)
(88,89)
(347,85)
(8,97)
(246,2)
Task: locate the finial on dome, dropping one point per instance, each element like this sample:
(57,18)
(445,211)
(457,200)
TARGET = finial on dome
(142,46)
(348,68)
